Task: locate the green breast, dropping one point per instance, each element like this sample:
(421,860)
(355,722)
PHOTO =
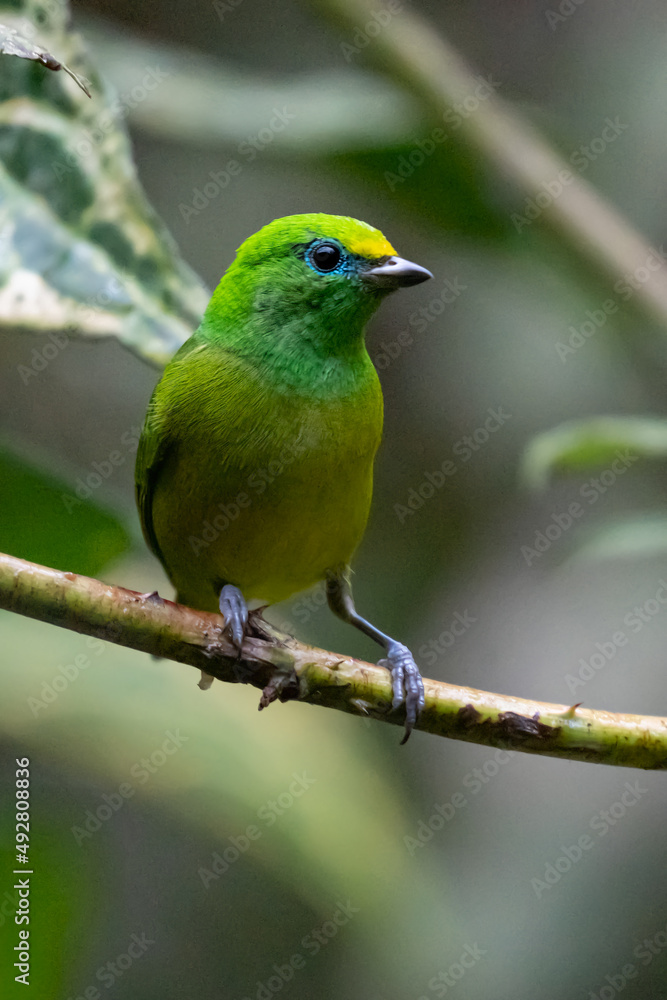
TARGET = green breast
(262,485)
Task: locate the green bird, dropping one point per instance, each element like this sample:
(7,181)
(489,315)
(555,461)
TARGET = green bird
(254,470)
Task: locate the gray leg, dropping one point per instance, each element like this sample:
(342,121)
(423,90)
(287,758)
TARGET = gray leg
(234,610)
(406,681)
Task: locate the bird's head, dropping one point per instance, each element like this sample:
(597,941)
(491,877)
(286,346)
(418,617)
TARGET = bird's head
(314,273)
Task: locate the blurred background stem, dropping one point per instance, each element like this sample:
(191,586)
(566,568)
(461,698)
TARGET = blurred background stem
(408,51)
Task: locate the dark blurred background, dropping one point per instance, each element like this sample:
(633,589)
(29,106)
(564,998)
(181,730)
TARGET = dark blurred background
(336,850)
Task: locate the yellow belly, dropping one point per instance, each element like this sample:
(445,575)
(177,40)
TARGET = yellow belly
(274,517)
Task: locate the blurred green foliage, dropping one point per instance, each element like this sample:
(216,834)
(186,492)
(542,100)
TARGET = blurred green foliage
(92,255)
(46,522)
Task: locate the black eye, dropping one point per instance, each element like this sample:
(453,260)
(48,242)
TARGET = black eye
(325,257)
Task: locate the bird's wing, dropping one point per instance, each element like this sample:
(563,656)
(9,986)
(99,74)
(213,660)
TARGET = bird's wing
(181,390)
(155,445)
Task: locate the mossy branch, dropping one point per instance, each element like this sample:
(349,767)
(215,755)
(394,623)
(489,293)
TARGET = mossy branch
(290,670)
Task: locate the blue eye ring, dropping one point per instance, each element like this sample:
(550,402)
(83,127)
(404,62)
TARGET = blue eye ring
(325,257)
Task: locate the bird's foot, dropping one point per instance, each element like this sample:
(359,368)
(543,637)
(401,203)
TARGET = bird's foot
(406,682)
(234,610)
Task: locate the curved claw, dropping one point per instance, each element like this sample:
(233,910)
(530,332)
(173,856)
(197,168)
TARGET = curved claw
(234,610)
(406,683)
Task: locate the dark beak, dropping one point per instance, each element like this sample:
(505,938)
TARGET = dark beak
(395,273)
